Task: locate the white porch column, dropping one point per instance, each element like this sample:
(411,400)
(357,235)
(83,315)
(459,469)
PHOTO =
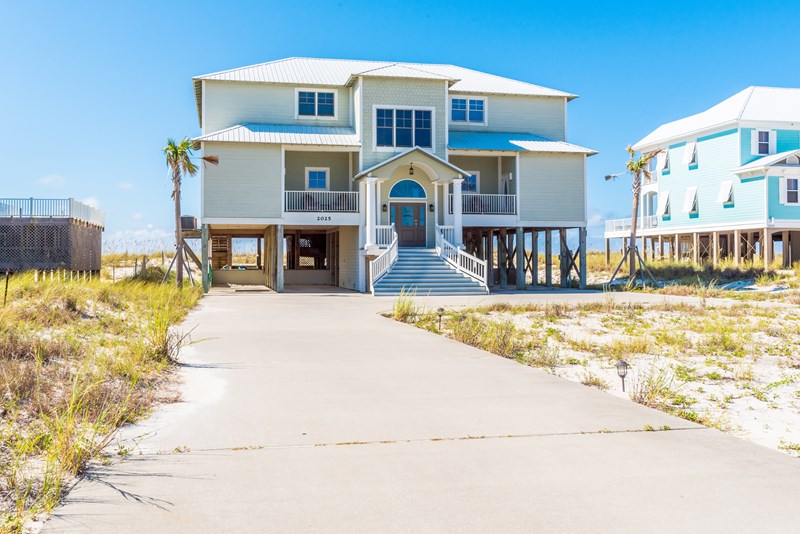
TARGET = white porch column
(369,242)
(435,203)
(458,226)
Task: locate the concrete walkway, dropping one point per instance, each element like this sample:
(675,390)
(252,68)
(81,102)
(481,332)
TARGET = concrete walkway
(311,413)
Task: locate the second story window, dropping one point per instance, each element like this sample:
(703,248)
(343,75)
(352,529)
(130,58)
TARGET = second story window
(792,190)
(403,128)
(317,178)
(314,104)
(470,184)
(470,110)
(762,142)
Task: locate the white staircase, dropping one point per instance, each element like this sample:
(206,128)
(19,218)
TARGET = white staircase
(423,272)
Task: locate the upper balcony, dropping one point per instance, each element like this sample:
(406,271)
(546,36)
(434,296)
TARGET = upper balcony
(51,208)
(622,227)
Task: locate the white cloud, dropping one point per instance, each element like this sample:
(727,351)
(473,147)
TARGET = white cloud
(126,186)
(137,216)
(52,180)
(92,201)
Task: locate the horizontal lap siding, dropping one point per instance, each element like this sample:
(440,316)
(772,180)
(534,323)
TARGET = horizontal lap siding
(348,257)
(230,103)
(246,183)
(543,116)
(337,162)
(552,187)
(776,209)
(717,156)
(486,166)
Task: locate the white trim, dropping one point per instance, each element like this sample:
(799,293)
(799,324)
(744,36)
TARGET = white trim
(555,224)
(244,221)
(283,179)
(690,153)
(772,141)
(316,90)
(458,152)
(725,195)
(389,192)
(477,175)
(784,191)
(690,200)
(395,148)
(319,148)
(327,171)
(663,204)
(468,122)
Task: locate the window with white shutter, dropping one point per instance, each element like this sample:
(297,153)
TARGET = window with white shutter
(762,142)
(690,201)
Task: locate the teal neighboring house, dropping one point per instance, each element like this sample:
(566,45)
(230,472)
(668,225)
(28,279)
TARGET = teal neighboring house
(725,182)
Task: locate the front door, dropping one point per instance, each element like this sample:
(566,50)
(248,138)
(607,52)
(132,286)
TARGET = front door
(409,222)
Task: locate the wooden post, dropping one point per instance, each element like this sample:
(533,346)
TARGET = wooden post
(548,258)
(490,258)
(564,255)
(520,258)
(677,252)
(502,257)
(737,247)
(582,257)
(766,248)
(715,248)
(787,258)
(535,258)
(644,247)
(279,258)
(608,252)
(696,248)
(660,247)
(204,257)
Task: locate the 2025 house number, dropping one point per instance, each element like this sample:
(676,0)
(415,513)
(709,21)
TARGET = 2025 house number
(324,218)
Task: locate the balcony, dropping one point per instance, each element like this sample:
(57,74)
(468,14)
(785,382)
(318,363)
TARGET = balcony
(481,204)
(624,225)
(322,201)
(51,208)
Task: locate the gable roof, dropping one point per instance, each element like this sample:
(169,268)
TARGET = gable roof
(766,104)
(767,161)
(517,142)
(423,152)
(340,72)
(283,134)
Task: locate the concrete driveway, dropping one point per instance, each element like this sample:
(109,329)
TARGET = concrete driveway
(312,413)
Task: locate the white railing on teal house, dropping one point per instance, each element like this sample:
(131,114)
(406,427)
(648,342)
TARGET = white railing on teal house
(327,201)
(482,204)
(623,225)
(384,262)
(468,264)
(51,208)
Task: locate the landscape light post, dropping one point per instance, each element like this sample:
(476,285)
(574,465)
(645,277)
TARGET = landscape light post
(440,312)
(622,370)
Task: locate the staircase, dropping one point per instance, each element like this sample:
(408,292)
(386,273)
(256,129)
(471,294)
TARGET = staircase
(423,272)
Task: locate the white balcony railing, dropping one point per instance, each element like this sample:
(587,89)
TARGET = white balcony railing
(384,233)
(327,201)
(468,264)
(384,262)
(481,204)
(55,208)
(624,225)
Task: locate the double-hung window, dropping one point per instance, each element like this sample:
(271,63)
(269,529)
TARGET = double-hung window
(470,110)
(317,178)
(316,104)
(762,142)
(792,190)
(470,184)
(403,128)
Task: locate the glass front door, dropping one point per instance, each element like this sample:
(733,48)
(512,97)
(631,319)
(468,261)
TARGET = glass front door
(409,222)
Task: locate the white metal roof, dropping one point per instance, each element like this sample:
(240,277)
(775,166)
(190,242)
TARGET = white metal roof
(399,70)
(766,161)
(766,104)
(283,134)
(422,151)
(507,141)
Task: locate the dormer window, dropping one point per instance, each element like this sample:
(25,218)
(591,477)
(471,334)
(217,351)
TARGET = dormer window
(468,109)
(316,104)
(403,127)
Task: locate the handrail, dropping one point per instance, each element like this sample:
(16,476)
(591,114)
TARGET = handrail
(56,208)
(384,233)
(322,201)
(485,204)
(642,223)
(384,262)
(464,262)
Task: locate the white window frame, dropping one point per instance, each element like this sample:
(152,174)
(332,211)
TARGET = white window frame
(690,202)
(784,190)
(773,139)
(316,90)
(725,195)
(326,170)
(395,148)
(690,153)
(664,164)
(485,101)
(477,175)
(663,205)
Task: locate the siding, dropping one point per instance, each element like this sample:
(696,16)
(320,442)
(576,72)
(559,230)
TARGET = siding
(486,166)
(716,157)
(230,103)
(396,92)
(349,257)
(542,116)
(776,209)
(296,163)
(552,187)
(246,183)
(786,140)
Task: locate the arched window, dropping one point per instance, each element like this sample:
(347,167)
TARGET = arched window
(793,160)
(407,189)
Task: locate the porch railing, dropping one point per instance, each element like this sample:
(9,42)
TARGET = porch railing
(468,264)
(384,262)
(317,201)
(622,225)
(482,204)
(56,208)
(384,233)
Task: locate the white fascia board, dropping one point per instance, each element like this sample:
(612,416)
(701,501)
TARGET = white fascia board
(665,142)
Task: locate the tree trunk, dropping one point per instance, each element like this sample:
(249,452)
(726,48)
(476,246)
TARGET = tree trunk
(176,192)
(637,188)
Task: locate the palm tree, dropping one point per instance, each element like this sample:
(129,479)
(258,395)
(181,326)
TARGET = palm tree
(180,164)
(637,166)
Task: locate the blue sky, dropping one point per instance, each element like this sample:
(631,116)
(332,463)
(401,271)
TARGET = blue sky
(89,92)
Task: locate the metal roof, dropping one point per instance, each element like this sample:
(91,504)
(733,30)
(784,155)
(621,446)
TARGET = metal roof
(766,104)
(385,162)
(315,71)
(507,141)
(766,161)
(283,134)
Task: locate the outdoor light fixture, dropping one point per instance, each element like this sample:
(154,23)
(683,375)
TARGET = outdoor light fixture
(440,312)
(430,208)
(384,208)
(411,170)
(622,370)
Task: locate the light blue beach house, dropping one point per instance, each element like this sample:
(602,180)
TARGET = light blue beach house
(725,182)
(377,176)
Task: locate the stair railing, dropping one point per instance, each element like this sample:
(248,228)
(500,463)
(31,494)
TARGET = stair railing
(463,262)
(384,262)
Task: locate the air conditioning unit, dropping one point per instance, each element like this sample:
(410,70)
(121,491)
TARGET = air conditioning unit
(188,222)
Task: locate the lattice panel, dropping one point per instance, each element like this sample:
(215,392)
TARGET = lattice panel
(34,246)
